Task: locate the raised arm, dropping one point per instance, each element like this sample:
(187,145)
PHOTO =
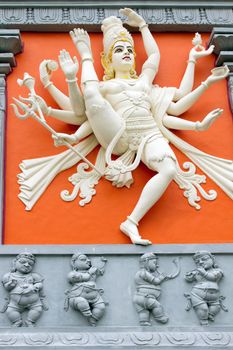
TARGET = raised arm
(187,81)
(135,20)
(46,68)
(178,108)
(70,69)
(151,66)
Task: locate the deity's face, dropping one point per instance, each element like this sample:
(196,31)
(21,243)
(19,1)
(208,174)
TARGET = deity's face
(152,265)
(205,261)
(122,56)
(82,263)
(24,265)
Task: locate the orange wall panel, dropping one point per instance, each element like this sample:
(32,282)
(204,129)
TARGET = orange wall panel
(171,220)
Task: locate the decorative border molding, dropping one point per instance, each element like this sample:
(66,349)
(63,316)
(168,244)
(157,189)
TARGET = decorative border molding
(10,45)
(115,340)
(160,18)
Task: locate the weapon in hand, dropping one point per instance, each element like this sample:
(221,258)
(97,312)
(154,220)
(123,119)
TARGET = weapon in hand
(30,111)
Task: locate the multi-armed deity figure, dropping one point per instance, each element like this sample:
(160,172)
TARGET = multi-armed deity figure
(148,282)
(25,292)
(205,297)
(129,117)
(85,296)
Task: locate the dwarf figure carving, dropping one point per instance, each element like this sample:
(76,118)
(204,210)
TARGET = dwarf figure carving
(84,296)
(25,292)
(148,282)
(205,296)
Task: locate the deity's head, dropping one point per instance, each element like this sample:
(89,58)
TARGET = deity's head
(149,261)
(80,261)
(204,259)
(23,263)
(118,54)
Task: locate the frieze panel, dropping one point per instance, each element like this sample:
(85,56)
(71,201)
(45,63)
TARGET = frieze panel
(189,16)
(154,16)
(13,16)
(169,18)
(221,16)
(45,15)
(84,16)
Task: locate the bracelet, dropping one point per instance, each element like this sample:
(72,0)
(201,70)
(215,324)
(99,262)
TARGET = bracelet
(144,25)
(87,59)
(48,84)
(197,125)
(71,80)
(76,138)
(49,110)
(192,60)
(204,83)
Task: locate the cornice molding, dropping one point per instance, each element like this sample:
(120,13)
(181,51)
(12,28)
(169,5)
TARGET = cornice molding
(163,16)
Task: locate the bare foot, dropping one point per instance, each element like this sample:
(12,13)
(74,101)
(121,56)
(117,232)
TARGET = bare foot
(131,230)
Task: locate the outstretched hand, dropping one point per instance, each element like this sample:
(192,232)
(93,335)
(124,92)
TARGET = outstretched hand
(68,65)
(209,119)
(196,54)
(218,73)
(134,19)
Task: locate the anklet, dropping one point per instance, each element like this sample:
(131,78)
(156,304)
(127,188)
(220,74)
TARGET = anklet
(132,220)
(48,84)
(71,80)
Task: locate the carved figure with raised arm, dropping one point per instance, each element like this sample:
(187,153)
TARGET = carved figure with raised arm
(84,296)
(148,282)
(25,290)
(130,118)
(205,295)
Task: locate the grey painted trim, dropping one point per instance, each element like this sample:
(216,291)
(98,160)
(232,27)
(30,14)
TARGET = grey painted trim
(118,4)
(117,249)
(222,39)
(45,17)
(2,144)
(10,44)
(128,339)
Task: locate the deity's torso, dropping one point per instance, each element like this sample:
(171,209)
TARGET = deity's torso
(130,99)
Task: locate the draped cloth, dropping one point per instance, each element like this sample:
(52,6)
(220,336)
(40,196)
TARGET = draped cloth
(38,173)
(218,169)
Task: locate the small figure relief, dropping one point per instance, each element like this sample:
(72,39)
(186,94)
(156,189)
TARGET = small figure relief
(205,295)
(84,296)
(25,292)
(148,283)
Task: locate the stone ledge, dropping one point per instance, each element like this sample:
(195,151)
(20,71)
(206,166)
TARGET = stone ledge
(123,339)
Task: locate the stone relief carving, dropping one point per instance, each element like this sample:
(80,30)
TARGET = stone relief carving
(84,295)
(205,296)
(148,282)
(126,119)
(25,289)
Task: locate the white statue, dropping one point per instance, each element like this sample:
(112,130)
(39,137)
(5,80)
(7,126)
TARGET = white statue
(129,117)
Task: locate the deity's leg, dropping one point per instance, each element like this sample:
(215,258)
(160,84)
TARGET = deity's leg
(15,317)
(202,312)
(153,189)
(159,314)
(144,318)
(213,310)
(104,121)
(33,316)
(97,313)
